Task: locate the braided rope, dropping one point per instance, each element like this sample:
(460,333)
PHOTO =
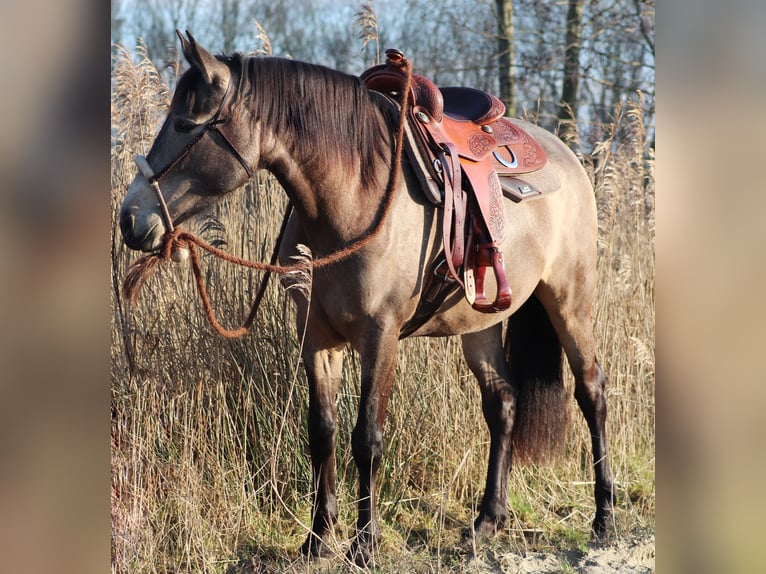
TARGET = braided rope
(176,240)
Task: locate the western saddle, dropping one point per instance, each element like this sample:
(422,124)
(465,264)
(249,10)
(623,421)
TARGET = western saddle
(465,154)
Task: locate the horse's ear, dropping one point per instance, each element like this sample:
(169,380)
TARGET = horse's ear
(185,48)
(199,57)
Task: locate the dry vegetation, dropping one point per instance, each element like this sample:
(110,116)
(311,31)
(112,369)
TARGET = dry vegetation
(209,456)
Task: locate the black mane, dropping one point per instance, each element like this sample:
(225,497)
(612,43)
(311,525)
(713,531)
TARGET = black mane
(329,114)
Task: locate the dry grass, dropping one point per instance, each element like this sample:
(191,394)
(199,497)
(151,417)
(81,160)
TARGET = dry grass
(367,21)
(209,457)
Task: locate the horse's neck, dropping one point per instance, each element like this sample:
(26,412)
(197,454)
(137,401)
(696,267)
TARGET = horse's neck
(338,184)
(331,199)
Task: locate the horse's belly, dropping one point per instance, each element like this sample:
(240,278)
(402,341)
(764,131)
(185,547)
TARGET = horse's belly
(457,317)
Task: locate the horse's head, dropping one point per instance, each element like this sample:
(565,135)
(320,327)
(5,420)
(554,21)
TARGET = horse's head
(200,153)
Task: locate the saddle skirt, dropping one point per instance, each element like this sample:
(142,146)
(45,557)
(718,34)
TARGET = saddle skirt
(467,156)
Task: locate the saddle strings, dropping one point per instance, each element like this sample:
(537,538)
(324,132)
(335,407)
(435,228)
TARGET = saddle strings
(176,239)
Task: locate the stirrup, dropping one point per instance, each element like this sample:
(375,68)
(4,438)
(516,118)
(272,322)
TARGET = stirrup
(487,255)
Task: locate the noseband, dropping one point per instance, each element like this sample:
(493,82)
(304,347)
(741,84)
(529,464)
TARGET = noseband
(153,177)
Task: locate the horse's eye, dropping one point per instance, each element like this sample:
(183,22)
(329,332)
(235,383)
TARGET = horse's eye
(184,126)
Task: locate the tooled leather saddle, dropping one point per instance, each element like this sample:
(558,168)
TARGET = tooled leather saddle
(466,156)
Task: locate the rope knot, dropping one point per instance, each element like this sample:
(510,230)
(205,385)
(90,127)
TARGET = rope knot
(175,246)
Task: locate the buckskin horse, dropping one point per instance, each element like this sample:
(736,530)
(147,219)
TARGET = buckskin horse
(329,141)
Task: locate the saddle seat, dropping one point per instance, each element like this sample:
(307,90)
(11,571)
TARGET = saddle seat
(470,104)
(465,154)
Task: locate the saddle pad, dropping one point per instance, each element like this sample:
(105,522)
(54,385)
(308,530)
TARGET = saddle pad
(529,186)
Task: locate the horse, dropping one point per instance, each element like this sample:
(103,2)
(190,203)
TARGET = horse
(328,140)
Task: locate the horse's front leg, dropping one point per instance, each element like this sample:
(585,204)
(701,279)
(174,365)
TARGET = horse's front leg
(323,371)
(378,357)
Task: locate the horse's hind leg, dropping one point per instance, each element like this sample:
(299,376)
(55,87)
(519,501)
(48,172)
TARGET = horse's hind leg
(484,354)
(569,309)
(589,392)
(323,370)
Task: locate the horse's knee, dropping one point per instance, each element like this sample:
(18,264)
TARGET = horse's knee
(367,445)
(322,432)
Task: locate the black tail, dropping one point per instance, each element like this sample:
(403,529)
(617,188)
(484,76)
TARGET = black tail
(534,357)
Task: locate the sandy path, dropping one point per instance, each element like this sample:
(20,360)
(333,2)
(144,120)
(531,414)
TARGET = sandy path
(621,557)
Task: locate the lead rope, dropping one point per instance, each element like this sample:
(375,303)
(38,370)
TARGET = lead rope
(175,240)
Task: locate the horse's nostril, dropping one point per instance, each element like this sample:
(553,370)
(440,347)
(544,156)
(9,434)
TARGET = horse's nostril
(127,227)
(141,231)
(127,223)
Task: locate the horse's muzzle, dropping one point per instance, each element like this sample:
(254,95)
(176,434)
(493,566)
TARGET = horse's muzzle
(141,234)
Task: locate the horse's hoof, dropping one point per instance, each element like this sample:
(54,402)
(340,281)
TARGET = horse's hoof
(601,525)
(483,528)
(361,549)
(359,555)
(604,512)
(314,547)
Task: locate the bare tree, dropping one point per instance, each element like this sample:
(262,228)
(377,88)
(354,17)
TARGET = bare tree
(231,24)
(159,19)
(505,54)
(569,92)
(555,62)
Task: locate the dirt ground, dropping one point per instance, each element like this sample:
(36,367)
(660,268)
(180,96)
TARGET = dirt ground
(635,556)
(621,557)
